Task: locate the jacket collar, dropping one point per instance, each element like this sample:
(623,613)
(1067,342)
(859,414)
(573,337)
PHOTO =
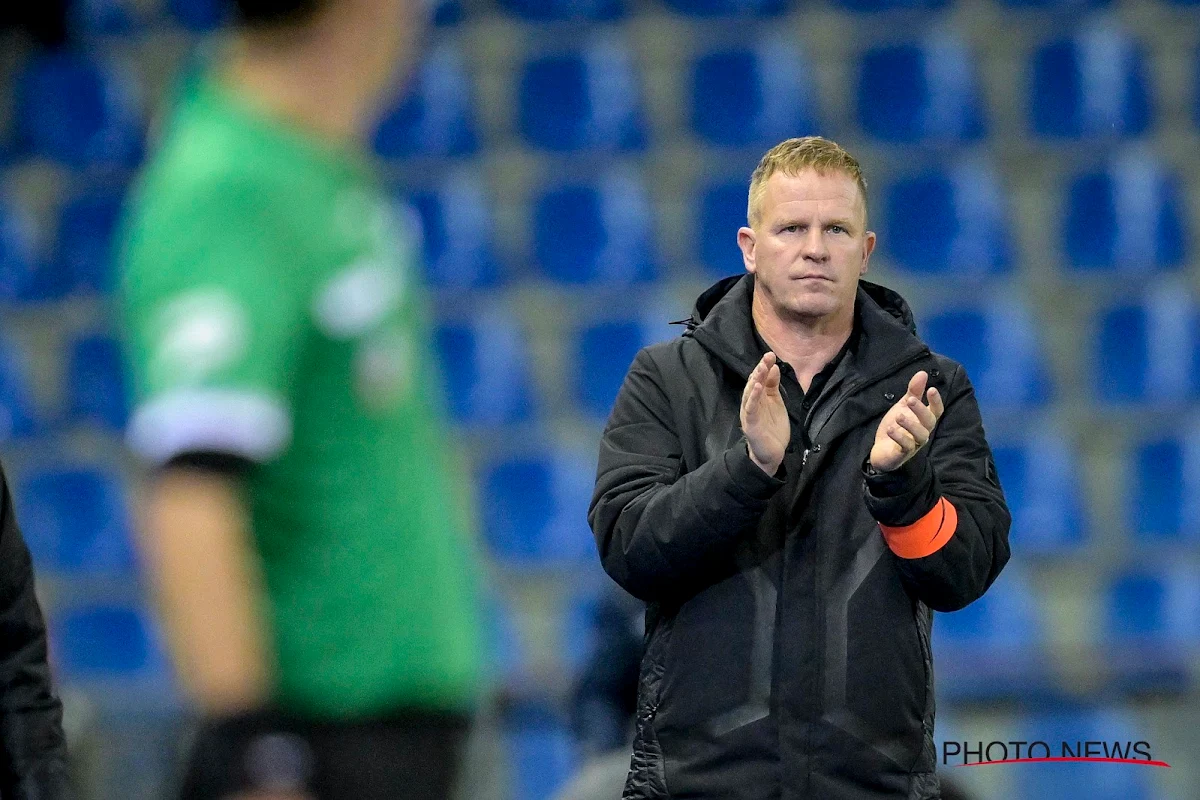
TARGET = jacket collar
(721,322)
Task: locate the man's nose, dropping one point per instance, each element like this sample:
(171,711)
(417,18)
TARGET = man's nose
(814,248)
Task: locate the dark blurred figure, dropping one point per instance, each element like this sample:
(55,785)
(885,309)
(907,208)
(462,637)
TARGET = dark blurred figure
(33,751)
(44,20)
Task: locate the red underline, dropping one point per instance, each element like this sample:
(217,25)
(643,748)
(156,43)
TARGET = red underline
(1141,761)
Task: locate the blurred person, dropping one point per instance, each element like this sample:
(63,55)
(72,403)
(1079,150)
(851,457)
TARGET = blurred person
(303,525)
(33,749)
(793,486)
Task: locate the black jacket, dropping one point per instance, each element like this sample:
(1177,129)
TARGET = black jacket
(33,751)
(787,647)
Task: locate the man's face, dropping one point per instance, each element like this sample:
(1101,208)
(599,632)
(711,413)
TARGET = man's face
(809,245)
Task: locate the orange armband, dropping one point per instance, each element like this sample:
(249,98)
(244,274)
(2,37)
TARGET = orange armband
(925,536)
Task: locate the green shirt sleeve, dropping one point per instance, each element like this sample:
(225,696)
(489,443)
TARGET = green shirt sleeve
(215,313)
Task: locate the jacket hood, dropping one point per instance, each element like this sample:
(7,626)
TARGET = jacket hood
(721,318)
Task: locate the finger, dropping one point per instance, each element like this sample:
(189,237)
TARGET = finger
(921,411)
(918,431)
(935,403)
(916,384)
(902,438)
(751,404)
(771,383)
(753,379)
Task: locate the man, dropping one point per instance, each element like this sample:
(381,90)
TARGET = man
(792,486)
(303,525)
(33,750)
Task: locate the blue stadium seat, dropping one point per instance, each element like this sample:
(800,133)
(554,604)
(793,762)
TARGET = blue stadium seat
(1057,5)
(436,117)
(447,12)
(541,751)
(1083,781)
(96,382)
(19,260)
(200,16)
(1000,348)
(721,210)
(728,8)
(1093,85)
(584,101)
(86,225)
(601,234)
(78,112)
(953,223)
(104,17)
(1040,477)
(753,97)
(603,355)
(505,661)
(1129,217)
(18,416)
(1165,488)
(868,6)
(565,10)
(486,366)
(994,648)
(1149,352)
(103,642)
(1151,628)
(75,520)
(921,92)
(457,234)
(534,510)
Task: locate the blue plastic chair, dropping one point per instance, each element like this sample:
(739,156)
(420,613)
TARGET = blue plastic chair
(721,210)
(598,234)
(871,6)
(22,272)
(1066,6)
(96,382)
(436,117)
(105,642)
(603,355)
(1041,484)
(18,416)
(75,520)
(994,648)
(1000,348)
(566,10)
(1146,352)
(486,365)
(200,16)
(1151,629)
(457,234)
(1092,86)
(728,8)
(104,17)
(921,93)
(542,752)
(447,13)
(86,252)
(1083,781)
(1161,505)
(584,101)
(951,224)
(1128,218)
(78,112)
(534,510)
(753,97)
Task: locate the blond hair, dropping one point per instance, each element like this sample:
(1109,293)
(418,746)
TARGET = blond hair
(793,156)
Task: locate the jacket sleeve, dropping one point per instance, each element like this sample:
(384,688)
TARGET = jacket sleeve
(659,531)
(33,751)
(943,512)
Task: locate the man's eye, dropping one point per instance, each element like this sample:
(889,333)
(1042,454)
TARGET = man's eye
(836,229)
(791,229)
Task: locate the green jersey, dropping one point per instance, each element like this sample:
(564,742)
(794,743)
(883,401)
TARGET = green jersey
(273,314)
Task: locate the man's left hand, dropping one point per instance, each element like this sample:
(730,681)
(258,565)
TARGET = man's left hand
(907,426)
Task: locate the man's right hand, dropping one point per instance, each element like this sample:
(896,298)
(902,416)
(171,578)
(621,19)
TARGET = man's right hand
(764,416)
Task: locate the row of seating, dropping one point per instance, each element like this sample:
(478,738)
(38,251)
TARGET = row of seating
(125,17)
(1093,86)
(1129,217)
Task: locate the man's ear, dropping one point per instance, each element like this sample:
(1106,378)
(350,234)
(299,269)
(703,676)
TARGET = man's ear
(746,240)
(868,248)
